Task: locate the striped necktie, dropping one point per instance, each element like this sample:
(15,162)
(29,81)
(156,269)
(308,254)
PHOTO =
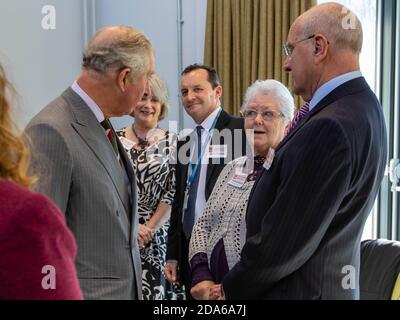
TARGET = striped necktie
(106,124)
(299,115)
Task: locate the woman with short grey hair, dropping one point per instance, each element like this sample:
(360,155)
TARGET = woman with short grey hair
(273,88)
(219,235)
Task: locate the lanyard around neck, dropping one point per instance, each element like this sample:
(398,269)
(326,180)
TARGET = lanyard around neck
(203,149)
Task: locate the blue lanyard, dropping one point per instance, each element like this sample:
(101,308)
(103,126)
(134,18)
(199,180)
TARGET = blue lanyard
(203,149)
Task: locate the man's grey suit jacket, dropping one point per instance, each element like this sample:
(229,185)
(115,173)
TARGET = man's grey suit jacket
(78,169)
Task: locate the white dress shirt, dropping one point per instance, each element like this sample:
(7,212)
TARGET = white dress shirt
(89,101)
(205,138)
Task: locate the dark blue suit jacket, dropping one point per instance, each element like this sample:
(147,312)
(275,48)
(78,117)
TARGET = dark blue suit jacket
(306,214)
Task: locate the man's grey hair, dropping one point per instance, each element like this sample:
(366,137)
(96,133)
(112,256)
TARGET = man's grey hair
(128,48)
(341,26)
(273,89)
(159,90)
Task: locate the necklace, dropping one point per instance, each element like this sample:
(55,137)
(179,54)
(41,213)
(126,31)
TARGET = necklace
(143,143)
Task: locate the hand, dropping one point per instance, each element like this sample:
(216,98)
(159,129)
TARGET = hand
(216,292)
(201,291)
(171,271)
(145,234)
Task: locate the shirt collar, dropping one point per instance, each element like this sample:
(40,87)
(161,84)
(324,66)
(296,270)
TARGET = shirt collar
(89,101)
(208,122)
(331,85)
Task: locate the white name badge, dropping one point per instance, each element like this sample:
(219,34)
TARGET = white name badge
(128,144)
(238,180)
(269,159)
(217,151)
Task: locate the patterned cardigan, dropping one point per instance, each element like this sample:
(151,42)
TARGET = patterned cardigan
(224,215)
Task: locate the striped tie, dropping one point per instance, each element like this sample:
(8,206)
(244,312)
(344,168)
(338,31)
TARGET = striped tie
(106,124)
(299,115)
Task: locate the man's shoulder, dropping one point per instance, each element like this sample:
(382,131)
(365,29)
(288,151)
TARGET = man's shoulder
(229,121)
(56,113)
(352,90)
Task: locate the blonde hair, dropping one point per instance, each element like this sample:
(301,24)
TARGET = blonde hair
(159,90)
(14,155)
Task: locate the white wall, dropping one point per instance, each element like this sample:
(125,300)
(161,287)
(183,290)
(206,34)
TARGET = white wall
(158,19)
(194,27)
(40,63)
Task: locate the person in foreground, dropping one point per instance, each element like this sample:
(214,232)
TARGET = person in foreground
(37,249)
(306,213)
(151,150)
(85,169)
(219,234)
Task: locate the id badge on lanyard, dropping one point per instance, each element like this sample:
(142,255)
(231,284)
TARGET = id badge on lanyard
(185,199)
(196,166)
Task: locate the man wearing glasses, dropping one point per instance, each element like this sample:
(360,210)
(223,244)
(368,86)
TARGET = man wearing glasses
(306,214)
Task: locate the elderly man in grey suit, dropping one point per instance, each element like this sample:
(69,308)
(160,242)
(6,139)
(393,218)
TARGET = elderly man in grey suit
(84,169)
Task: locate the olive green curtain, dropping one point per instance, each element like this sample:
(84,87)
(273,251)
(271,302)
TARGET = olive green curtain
(244,41)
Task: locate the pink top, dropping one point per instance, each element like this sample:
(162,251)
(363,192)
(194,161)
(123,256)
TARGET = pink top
(37,250)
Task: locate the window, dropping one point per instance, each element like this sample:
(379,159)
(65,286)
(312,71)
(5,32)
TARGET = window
(389,79)
(366,10)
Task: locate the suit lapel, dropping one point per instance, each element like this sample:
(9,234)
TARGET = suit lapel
(347,88)
(91,132)
(184,166)
(222,123)
(132,179)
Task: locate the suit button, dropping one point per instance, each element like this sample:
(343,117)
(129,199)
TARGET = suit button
(117,213)
(128,246)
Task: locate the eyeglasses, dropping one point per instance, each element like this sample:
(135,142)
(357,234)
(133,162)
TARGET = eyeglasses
(267,115)
(288,48)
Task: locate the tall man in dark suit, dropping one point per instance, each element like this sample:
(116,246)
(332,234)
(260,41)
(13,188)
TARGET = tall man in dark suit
(218,138)
(306,214)
(84,167)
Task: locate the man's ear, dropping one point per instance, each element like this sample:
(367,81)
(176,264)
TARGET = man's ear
(123,78)
(321,47)
(218,91)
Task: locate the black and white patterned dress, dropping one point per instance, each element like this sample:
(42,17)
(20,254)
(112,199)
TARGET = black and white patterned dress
(155,176)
